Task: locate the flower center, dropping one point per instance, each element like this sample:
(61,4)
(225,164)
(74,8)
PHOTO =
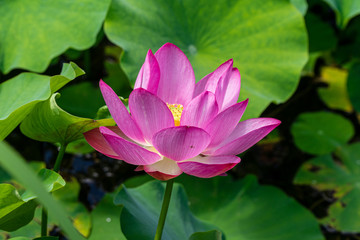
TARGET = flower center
(176,110)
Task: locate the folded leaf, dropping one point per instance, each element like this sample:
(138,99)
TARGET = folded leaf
(49,123)
(19,95)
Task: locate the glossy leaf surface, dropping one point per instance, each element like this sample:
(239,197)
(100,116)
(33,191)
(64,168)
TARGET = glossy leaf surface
(266,39)
(57,26)
(245,210)
(141,212)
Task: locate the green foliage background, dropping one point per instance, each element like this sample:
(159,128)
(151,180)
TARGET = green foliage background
(299,61)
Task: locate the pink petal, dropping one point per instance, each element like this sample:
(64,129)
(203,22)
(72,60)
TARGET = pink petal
(98,142)
(149,112)
(210,81)
(200,110)
(223,71)
(149,74)
(180,143)
(120,114)
(245,135)
(208,166)
(228,89)
(200,86)
(128,151)
(177,79)
(163,170)
(224,123)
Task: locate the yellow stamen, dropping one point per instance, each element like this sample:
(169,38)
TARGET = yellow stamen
(176,110)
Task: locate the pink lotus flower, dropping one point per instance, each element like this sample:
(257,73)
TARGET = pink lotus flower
(178,126)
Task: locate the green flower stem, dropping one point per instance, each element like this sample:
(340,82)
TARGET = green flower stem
(44,220)
(60,157)
(164,209)
(44,216)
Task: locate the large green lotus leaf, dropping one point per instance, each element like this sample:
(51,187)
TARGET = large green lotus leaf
(238,207)
(321,132)
(49,123)
(57,26)
(353,86)
(141,210)
(344,9)
(14,211)
(106,220)
(19,95)
(13,163)
(324,173)
(266,39)
(245,210)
